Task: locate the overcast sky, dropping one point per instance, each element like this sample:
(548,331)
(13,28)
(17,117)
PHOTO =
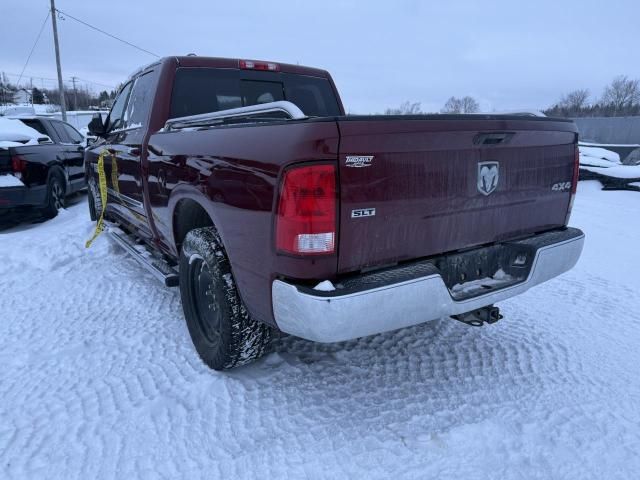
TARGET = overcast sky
(508,54)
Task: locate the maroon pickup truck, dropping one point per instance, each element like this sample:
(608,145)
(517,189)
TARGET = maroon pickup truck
(245,183)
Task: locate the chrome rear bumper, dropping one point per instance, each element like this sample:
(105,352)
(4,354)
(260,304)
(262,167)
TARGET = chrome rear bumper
(336,316)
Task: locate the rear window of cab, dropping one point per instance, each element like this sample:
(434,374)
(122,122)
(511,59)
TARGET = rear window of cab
(203,90)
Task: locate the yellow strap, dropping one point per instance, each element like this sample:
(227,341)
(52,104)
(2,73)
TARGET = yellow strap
(115,175)
(102,183)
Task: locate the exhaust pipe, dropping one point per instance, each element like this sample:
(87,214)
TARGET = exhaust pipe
(480,316)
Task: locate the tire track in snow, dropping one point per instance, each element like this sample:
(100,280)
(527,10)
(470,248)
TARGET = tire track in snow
(99,380)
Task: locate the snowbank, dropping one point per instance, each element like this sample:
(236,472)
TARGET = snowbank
(17,133)
(598,157)
(28,109)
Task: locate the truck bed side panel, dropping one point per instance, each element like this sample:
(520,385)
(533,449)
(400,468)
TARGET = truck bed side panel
(233,173)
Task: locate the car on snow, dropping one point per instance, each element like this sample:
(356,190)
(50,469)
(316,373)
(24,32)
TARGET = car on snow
(41,163)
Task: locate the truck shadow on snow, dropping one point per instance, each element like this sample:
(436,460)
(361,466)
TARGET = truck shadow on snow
(25,219)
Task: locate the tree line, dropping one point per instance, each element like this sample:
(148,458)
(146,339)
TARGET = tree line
(80,98)
(620,98)
(465,104)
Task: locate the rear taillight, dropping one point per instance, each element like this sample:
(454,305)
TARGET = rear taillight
(574,181)
(18,165)
(306,220)
(576,169)
(253,65)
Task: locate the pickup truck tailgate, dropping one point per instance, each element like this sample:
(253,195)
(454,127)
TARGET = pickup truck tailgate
(444,183)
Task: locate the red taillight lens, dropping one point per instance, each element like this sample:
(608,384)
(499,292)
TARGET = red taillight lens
(576,170)
(18,165)
(574,182)
(253,65)
(306,221)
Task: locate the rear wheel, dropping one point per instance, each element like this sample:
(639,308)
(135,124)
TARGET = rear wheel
(223,333)
(93,213)
(55,195)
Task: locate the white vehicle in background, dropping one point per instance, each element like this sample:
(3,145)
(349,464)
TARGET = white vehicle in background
(80,119)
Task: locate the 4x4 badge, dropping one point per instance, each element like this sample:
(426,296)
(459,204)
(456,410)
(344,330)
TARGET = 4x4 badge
(488,176)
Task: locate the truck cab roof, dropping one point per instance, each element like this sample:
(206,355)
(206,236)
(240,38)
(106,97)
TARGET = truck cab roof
(220,62)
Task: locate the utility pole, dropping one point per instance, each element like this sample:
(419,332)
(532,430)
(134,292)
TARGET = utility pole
(63,106)
(75,94)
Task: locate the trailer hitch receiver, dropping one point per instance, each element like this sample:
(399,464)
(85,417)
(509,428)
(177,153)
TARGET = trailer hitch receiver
(480,316)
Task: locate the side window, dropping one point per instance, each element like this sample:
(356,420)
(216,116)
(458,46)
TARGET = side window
(202,90)
(73,134)
(116,116)
(140,100)
(58,127)
(36,125)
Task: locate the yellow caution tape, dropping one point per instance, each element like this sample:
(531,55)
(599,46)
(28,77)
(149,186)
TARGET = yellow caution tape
(102,183)
(115,175)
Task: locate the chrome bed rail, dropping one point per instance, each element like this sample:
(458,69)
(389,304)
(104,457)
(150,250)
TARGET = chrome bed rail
(204,119)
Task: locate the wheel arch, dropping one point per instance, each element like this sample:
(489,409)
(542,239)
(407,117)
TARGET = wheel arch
(190,209)
(57,169)
(188,214)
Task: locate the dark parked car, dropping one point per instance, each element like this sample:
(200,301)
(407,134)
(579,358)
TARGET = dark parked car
(42,175)
(272,209)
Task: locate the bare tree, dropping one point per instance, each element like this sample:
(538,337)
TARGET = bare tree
(575,101)
(470,105)
(461,105)
(622,94)
(407,108)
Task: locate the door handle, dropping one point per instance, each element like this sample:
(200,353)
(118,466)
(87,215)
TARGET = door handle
(493,138)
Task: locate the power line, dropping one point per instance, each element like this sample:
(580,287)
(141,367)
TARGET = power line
(97,83)
(33,47)
(55,80)
(105,33)
(31,76)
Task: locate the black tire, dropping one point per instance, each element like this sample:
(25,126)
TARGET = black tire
(56,195)
(224,334)
(93,214)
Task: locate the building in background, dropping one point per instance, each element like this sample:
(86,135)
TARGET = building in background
(619,134)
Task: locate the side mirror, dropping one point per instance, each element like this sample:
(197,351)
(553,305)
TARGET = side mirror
(96,127)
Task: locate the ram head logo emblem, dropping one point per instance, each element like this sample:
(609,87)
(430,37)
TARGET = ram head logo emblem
(488,176)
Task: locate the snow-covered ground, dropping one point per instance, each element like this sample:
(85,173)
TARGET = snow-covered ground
(28,109)
(98,378)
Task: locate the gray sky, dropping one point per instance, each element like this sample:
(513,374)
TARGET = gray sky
(508,54)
